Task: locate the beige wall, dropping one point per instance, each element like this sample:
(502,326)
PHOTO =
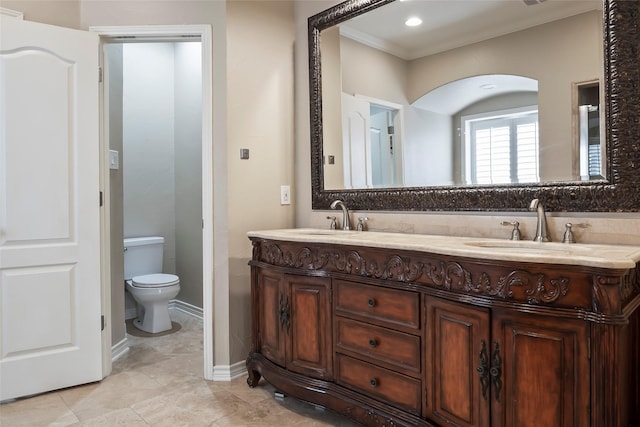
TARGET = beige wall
(260,117)
(373,73)
(64,13)
(603,228)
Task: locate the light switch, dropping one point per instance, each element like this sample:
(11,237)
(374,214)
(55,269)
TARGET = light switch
(285,195)
(244,153)
(114,159)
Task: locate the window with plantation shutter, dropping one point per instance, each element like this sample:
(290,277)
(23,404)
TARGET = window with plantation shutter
(502,149)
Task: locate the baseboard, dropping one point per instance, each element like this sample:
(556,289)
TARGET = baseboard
(119,350)
(229,372)
(130,313)
(186,308)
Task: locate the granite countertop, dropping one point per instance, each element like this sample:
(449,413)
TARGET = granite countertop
(590,255)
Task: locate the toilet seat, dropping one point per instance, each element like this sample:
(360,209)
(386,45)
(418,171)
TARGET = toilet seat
(159,280)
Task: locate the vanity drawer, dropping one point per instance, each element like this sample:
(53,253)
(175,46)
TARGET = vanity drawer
(393,348)
(379,382)
(374,302)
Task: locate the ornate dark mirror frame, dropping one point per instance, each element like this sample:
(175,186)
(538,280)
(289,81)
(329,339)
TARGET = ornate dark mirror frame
(619,193)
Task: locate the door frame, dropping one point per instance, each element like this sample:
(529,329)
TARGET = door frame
(156,32)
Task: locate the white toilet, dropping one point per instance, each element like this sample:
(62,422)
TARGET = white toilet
(144,279)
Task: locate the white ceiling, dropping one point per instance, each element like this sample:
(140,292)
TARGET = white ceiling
(448,24)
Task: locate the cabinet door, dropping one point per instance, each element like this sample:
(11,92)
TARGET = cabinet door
(271,337)
(457,347)
(309,347)
(544,371)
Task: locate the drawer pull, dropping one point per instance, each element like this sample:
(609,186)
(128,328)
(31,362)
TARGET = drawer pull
(373,343)
(371,302)
(373,382)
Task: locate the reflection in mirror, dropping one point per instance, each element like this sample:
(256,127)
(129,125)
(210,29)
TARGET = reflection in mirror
(491,98)
(592,151)
(488,126)
(618,86)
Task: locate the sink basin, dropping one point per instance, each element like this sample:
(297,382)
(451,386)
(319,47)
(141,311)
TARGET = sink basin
(526,246)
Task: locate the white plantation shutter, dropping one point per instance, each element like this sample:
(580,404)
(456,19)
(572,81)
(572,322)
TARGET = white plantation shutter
(527,145)
(594,160)
(504,149)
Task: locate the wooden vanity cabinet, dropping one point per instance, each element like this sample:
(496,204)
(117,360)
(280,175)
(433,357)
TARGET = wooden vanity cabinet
(294,324)
(392,337)
(498,368)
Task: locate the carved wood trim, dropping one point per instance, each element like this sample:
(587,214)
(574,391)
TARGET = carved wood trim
(610,294)
(538,288)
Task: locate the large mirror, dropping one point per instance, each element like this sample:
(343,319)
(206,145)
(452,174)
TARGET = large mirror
(531,99)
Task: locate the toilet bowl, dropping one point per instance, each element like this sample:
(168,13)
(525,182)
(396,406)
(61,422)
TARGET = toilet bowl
(153,292)
(150,288)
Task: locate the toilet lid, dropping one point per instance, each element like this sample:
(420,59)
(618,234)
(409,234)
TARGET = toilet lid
(155,280)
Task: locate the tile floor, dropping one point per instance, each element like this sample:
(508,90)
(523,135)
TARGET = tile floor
(159,382)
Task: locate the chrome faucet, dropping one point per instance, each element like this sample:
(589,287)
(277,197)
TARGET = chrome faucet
(542,231)
(346,224)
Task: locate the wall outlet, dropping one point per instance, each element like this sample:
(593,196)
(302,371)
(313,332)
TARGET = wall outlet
(285,195)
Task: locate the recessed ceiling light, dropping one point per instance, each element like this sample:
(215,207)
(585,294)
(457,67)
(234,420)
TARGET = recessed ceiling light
(413,22)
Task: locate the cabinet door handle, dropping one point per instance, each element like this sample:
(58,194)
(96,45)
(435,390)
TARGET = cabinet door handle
(373,382)
(373,343)
(496,371)
(483,368)
(284,312)
(371,302)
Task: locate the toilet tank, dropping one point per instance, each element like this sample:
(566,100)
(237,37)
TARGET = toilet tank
(142,255)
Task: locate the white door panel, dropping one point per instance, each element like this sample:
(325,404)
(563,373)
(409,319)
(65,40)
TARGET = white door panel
(356,141)
(38,208)
(49,213)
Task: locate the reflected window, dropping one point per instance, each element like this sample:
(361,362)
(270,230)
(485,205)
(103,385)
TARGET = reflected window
(502,148)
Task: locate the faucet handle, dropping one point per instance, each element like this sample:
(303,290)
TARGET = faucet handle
(361,226)
(515,233)
(332,224)
(568,232)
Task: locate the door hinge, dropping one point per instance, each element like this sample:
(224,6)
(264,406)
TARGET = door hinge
(101,199)
(99,74)
(102,323)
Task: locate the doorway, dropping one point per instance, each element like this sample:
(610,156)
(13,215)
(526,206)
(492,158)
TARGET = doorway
(155,134)
(178,40)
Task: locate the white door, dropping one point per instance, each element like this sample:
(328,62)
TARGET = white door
(50,323)
(356,140)
(381,154)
